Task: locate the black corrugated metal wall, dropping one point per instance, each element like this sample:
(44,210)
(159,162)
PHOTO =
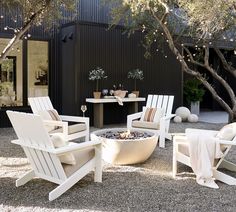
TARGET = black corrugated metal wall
(110,49)
(93,45)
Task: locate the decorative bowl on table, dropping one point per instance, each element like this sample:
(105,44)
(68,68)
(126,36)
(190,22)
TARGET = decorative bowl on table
(120,93)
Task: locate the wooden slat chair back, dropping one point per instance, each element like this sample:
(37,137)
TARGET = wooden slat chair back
(44,103)
(44,158)
(36,143)
(40,103)
(157,101)
(181,157)
(161,101)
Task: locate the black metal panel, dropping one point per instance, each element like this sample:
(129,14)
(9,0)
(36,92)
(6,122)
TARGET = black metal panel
(116,54)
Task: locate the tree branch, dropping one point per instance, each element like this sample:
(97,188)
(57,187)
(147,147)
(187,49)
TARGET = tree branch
(226,65)
(206,56)
(24,29)
(188,70)
(192,59)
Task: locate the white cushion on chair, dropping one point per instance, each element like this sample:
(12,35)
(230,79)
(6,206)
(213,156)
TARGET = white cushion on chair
(146,124)
(58,141)
(228,132)
(71,129)
(81,157)
(152,114)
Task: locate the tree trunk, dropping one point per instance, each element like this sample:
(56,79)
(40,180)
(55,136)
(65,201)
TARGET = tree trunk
(21,33)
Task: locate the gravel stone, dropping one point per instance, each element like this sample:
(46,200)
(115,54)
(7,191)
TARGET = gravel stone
(141,187)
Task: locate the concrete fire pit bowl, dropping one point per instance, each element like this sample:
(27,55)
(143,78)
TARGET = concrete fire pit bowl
(122,151)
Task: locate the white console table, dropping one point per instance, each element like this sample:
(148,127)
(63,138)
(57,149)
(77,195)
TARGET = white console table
(98,107)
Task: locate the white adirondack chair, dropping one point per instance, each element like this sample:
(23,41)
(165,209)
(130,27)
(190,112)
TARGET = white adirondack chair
(44,103)
(44,158)
(181,154)
(157,101)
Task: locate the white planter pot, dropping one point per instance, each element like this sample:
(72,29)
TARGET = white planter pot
(195,107)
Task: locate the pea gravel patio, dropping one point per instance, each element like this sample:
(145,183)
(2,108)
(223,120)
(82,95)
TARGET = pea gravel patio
(142,187)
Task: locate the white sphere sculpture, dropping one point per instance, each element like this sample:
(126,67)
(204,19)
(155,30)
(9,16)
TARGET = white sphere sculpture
(177,119)
(193,118)
(183,112)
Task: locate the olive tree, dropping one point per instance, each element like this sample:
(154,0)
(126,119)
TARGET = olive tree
(26,13)
(206,23)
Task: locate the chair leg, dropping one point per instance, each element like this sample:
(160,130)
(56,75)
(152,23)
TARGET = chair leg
(98,165)
(224,177)
(87,137)
(162,140)
(174,168)
(25,178)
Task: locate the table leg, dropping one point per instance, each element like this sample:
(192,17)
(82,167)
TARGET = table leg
(133,107)
(98,115)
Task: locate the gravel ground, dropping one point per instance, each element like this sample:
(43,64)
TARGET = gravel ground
(142,187)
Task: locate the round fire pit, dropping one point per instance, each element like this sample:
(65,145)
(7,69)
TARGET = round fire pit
(120,146)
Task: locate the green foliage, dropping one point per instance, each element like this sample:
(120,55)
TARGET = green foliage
(51,16)
(136,74)
(202,20)
(97,74)
(193,91)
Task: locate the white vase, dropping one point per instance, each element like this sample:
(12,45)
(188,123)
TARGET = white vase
(195,107)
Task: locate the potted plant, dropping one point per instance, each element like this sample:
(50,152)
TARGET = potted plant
(135,74)
(97,74)
(193,93)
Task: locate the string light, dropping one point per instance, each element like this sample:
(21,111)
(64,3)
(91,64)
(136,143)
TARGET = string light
(1,16)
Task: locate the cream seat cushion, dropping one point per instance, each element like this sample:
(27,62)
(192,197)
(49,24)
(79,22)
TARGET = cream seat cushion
(146,124)
(71,129)
(81,157)
(184,149)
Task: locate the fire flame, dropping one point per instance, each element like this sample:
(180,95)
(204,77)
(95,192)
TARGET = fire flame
(125,134)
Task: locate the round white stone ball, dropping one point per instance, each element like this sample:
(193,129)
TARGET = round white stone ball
(183,112)
(177,119)
(193,118)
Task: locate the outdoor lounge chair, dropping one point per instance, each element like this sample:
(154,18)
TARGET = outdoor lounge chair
(45,159)
(181,154)
(81,129)
(162,127)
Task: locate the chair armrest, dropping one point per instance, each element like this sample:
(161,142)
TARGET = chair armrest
(226,142)
(209,132)
(62,150)
(55,123)
(180,139)
(62,124)
(75,119)
(168,117)
(134,116)
(75,147)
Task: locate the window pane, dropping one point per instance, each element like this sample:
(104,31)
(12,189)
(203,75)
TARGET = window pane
(37,68)
(11,76)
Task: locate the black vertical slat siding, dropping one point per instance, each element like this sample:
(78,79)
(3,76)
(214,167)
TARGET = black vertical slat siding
(117,55)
